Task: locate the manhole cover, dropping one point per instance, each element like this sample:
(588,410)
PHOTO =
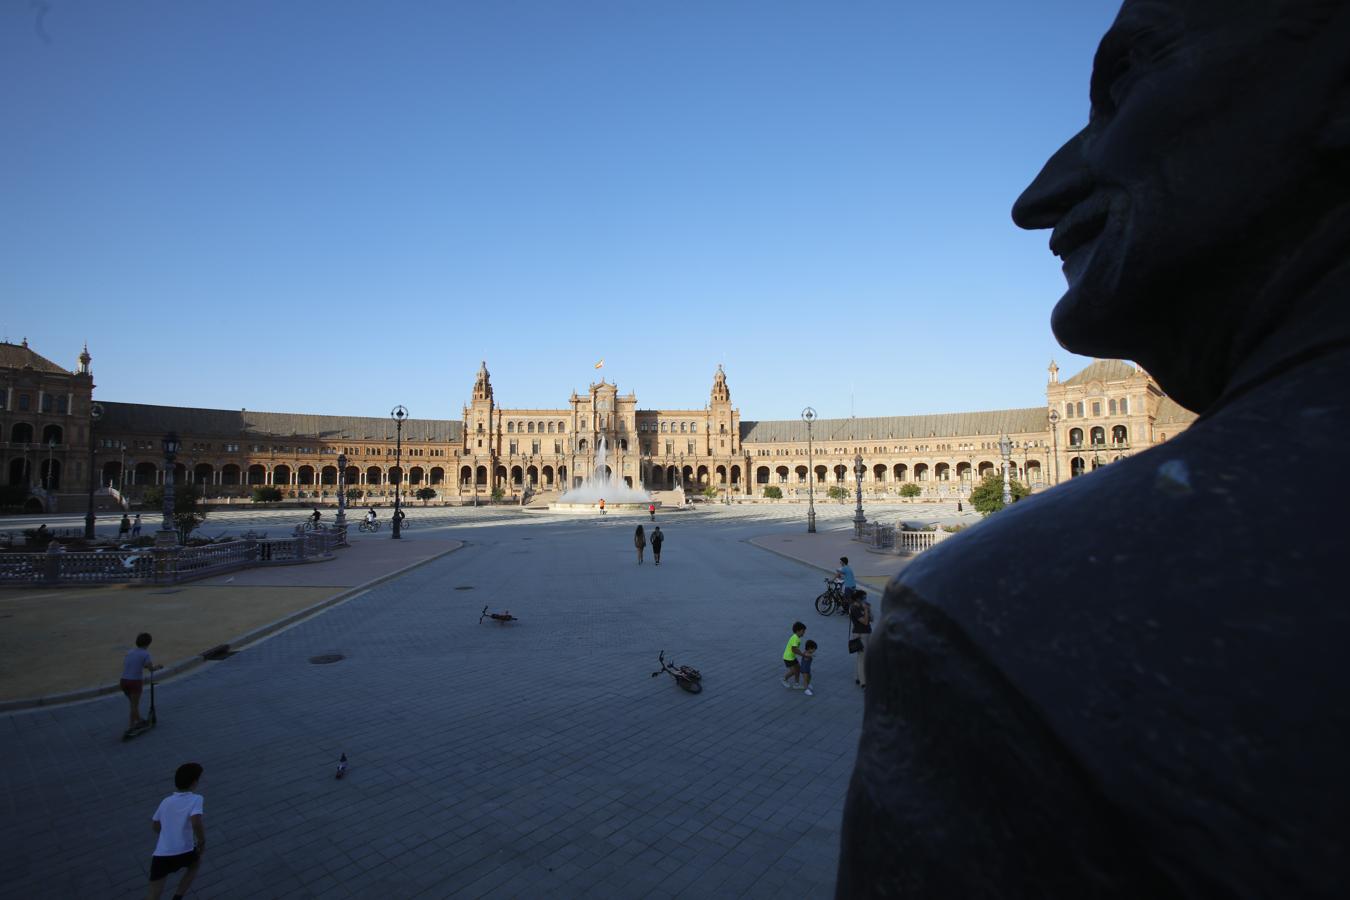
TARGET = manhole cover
(463,587)
(327,658)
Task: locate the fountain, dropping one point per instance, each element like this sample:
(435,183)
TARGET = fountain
(599,486)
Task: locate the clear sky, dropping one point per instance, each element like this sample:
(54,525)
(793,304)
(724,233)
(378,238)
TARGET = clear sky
(338,206)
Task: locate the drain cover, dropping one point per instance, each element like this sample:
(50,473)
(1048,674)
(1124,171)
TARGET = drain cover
(463,587)
(327,658)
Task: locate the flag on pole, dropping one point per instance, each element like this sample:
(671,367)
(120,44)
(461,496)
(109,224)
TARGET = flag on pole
(600,364)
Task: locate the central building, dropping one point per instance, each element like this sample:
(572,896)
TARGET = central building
(556,448)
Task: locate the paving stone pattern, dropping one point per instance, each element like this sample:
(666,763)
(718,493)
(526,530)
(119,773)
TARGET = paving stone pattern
(531,759)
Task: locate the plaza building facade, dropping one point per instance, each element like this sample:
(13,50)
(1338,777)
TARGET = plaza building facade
(1108,411)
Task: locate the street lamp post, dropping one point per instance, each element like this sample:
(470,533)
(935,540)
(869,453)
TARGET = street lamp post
(167,536)
(809,417)
(95,414)
(342,490)
(859,520)
(1054,439)
(399,413)
(1005,446)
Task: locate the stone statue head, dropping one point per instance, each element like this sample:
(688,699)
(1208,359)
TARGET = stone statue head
(1208,191)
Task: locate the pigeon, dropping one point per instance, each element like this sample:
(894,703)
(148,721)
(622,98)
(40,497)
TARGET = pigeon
(342,766)
(230,580)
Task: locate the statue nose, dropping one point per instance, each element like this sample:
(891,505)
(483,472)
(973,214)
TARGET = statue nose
(1062,184)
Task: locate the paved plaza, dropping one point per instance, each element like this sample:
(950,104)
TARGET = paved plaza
(531,759)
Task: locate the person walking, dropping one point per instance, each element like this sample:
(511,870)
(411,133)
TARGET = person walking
(640,541)
(124,528)
(136,526)
(651,511)
(860,629)
(657,540)
(602,506)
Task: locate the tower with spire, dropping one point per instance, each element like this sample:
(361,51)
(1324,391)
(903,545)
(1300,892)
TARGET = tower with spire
(85,360)
(723,432)
(478,415)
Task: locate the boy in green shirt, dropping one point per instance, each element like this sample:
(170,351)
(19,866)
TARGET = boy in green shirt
(791,652)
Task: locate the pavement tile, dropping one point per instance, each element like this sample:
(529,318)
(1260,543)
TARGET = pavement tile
(478,753)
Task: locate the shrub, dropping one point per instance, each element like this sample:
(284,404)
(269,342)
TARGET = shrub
(498,492)
(354,493)
(953,529)
(425,494)
(987,496)
(13,495)
(711,492)
(910,489)
(837,492)
(265,493)
(773,492)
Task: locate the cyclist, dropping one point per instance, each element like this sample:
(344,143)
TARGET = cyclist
(314,517)
(845,574)
(370,515)
(400,515)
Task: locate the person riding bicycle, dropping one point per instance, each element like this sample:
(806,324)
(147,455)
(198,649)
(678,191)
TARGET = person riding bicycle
(845,575)
(370,515)
(315,516)
(399,516)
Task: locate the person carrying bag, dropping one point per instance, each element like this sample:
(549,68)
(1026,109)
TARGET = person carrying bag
(860,619)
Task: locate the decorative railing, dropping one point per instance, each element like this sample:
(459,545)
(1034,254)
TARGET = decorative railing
(166,566)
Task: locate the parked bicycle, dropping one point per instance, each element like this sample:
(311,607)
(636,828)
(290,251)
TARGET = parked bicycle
(687,677)
(832,600)
(367,525)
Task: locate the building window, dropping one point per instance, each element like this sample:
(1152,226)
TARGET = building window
(1111,407)
(534,447)
(670,447)
(513,448)
(1096,408)
(557,446)
(1080,409)
(663,426)
(62,405)
(1124,406)
(693,426)
(46,403)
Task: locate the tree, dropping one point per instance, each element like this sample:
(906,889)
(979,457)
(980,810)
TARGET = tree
(354,493)
(837,492)
(773,492)
(188,513)
(710,492)
(910,489)
(987,496)
(498,492)
(425,494)
(265,493)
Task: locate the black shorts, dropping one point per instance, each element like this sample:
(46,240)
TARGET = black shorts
(162,867)
(790,663)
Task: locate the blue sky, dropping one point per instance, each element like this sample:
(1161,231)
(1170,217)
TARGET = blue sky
(336,207)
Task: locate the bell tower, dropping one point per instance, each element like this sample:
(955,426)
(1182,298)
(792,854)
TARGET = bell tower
(478,430)
(723,421)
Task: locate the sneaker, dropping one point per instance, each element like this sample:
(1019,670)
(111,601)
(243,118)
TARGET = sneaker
(808,692)
(798,687)
(786,683)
